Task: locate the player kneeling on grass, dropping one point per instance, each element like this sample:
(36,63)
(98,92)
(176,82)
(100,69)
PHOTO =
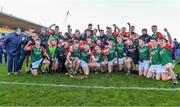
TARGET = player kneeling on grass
(143,57)
(166,59)
(85,55)
(36,55)
(132,56)
(100,62)
(155,60)
(111,55)
(72,60)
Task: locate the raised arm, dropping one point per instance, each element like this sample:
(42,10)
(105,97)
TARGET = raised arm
(168,35)
(98,26)
(129,25)
(116,28)
(51,26)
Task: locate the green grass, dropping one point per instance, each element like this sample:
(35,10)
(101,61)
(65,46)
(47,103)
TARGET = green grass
(21,95)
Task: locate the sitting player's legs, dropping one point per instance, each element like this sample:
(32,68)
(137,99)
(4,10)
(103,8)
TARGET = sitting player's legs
(35,67)
(158,69)
(143,68)
(151,71)
(85,67)
(170,71)
(146,67)
(77,64)
(120,64)
(47,63)
(164,74)
(103,66)
(128,62)
(68,65)
(111,65)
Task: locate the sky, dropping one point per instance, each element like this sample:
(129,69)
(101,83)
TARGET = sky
(140,13)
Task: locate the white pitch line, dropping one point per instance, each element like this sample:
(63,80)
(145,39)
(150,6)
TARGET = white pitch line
(92,87)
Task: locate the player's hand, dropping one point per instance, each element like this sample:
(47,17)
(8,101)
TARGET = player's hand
(165,29)
(114,25)
(1,43)
(29,42)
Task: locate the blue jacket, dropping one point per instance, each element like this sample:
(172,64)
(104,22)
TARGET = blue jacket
(13,44)
(1,47)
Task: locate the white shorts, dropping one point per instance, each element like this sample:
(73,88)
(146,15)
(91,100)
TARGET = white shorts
(121,60)
(98,64)
(156,68)
(83,64)
(111,62)
(168,65)
(144,65)
(35,65)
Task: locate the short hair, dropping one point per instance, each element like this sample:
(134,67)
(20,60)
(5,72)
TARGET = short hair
(95,29)
(154,26)
(144,29)
(77,31)
(154,39)
(108,27)
(57,27)
(89,24)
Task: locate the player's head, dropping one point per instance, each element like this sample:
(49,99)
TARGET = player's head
(144,31)
(153,42)
(37,41)
(141,41)
(86,47)
(162,41)
(154,28)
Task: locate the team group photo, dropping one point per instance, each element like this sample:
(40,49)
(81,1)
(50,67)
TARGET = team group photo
(86,61)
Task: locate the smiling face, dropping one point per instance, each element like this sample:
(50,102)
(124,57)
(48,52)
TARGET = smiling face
(88,33)
(76,46)
(154,29)
(97,48)
(132,28)
(86,47)
(129,42)
(153,42)
(162,42)
(37,42)
(109,31)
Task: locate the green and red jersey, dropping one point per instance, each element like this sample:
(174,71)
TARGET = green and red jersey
(75,53)
(155,55)
(120,49)
(165,54)
(144,53)
(36,53)
(113,37)
(85,55)
(100,56)
(112,53)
